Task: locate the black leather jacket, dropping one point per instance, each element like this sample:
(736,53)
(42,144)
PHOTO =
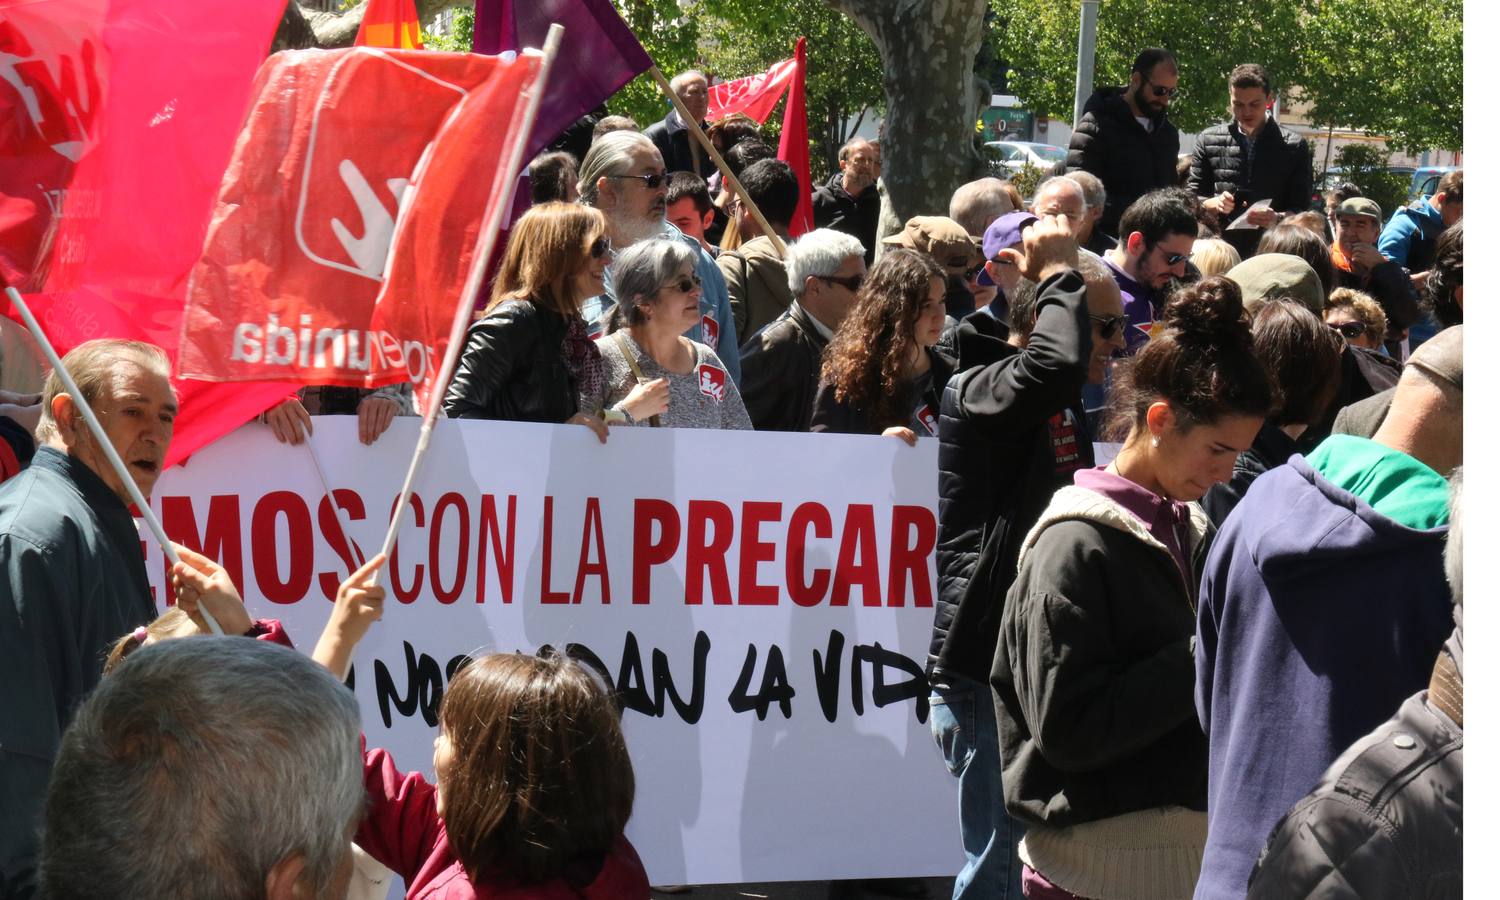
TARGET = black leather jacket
(512,368)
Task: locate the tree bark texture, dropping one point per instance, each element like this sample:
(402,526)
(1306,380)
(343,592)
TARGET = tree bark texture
(927,48)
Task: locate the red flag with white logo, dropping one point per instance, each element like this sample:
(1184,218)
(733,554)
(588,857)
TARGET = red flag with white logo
(754,95)
(296,254)
(117,118)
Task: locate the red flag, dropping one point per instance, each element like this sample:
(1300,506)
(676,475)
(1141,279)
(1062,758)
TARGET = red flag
(754,95)
(113,149)
(391,24)
(298,246)
(793,147)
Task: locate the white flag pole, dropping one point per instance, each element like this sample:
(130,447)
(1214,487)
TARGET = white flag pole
(472,286)
(103,440)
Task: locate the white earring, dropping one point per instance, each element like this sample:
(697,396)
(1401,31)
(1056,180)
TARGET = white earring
(1155,443)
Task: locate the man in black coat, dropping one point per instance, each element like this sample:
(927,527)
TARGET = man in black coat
(780,364)
(1249,159)
(679,150)
(850,201)
(1124,137)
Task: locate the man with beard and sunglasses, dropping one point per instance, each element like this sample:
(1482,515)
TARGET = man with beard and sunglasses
(1156,239)
(1011,432)
(624,178)
(1124,137)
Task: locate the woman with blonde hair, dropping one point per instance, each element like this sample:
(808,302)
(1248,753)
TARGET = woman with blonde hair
(1214,256)
(530,358)
(1357,317)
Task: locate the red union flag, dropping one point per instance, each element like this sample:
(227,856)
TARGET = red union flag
(296,252)
(754,95)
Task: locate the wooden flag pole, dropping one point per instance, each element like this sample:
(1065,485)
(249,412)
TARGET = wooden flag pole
(472,287)
(713,154)
(115,462)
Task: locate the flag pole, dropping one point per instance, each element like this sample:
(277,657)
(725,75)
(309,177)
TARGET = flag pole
(472,286)
(713,154)
(103,440)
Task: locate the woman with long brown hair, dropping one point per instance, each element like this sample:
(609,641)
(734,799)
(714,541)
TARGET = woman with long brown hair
(881,372)
(530,357)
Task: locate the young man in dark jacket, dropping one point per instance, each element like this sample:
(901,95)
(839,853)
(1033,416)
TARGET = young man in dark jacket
(1322,607)
(1125,138)
(1387,819)
(1251,158)
(1011,433)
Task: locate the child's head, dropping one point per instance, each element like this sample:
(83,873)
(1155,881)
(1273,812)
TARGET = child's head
(170,624)
(531,765)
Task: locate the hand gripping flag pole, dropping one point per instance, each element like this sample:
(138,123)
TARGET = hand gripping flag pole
(494,214)
(109,449)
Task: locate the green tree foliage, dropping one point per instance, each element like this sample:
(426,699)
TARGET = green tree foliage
(460,38)
(1365,165)
(1393,68)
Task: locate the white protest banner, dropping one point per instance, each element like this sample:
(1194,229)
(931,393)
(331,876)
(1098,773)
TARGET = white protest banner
(764,602)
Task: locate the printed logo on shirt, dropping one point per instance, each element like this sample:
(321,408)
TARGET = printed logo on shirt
(711,382)
(710,331)
(924,415)
(1063,430)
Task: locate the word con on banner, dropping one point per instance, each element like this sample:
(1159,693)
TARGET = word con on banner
(706,535)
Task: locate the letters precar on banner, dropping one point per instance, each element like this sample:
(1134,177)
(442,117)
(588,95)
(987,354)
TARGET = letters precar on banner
(765,612)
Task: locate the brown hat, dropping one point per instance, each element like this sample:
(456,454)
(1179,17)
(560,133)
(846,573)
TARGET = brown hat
(1442,356)
(941,238)
(1360,206)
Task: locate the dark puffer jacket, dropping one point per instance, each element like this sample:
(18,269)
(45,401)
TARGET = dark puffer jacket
(1386,821)
(1002,455)
(1130,160)
(512,368)
(1282,171)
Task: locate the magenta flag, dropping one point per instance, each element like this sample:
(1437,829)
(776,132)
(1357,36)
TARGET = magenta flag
(599,54)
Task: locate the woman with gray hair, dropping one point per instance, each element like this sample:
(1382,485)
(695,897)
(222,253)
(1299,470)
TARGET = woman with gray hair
(656,289)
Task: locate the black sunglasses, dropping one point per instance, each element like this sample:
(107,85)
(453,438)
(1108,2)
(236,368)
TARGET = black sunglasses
(1350,330)
(852,282)
(685,285)
(653,181)
(1108,325)
(971,274)
(1161,91)
(600,248)
(1174,258)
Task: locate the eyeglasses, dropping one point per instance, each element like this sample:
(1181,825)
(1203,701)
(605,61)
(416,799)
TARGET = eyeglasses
(1108,325)
(1350,330)
(971,274)
(1174,258)
(600,248)
(851,282)
(684,286)
(1158,90)
(1002,261)
(653,181)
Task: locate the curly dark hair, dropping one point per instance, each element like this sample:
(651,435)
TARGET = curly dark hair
(1203,364)
(867,359)
(1446,276)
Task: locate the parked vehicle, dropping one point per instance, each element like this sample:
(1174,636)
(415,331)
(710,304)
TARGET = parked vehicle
(1424,181)
(1016,155)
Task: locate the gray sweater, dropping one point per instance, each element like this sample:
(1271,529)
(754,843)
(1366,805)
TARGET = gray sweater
(706,397)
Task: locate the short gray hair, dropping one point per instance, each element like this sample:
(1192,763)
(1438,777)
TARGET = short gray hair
(1059,183)
(642,268)
(91,364)
(977,204)
(196,767)
(1093,189)
(681,78)
(609,156)
(818,254)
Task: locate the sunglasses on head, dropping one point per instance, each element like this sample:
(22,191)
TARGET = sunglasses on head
(1161,91)
(653,181)
(1108,325)
(851,282)
(685,285)
(1350,330)
(600,248)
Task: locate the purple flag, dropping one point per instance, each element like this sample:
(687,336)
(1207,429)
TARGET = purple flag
(602,51)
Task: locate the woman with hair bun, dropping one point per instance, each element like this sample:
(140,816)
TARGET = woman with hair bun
(1104,758)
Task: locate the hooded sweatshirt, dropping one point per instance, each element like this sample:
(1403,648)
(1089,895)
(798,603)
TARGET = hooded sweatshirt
(1322,607)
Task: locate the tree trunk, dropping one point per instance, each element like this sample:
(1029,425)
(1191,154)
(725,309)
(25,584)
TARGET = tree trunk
(303,27)
(927,48)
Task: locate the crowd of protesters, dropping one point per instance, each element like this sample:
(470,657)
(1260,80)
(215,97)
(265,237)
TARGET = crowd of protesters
(1198,629)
